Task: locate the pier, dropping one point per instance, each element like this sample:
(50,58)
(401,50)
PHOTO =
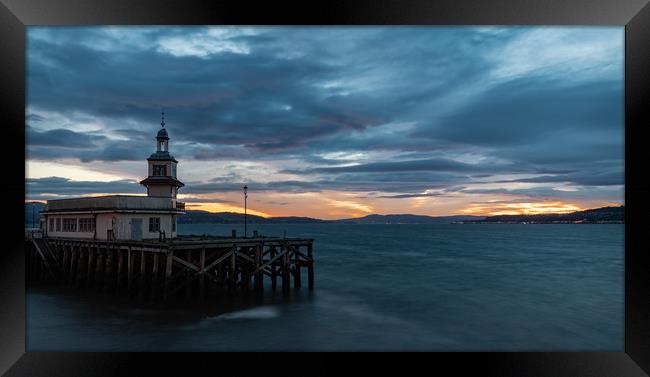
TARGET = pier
(186,267)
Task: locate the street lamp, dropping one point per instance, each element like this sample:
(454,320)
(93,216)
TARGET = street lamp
(245,210)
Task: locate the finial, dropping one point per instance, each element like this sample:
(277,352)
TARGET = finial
(162,122)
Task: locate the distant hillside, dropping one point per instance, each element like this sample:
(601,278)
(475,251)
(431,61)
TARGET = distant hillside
(597,215)
(408,219)
(238,218)
(590,216)
(33,211)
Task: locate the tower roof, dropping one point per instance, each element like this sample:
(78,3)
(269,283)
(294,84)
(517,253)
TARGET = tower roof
(161,156)
(162,134)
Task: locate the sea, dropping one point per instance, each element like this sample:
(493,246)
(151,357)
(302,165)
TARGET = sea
(380,287)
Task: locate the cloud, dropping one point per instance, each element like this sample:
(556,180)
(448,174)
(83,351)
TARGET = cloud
(402,112)
(52,187)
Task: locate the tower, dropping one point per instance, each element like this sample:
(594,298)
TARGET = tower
(162,181)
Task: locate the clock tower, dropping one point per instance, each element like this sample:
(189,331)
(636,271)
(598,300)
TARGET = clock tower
(162,181)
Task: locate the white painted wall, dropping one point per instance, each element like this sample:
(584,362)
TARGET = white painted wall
(120,223)
(124,225)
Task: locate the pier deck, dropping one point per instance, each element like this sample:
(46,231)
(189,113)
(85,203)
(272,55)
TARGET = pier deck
(188,266)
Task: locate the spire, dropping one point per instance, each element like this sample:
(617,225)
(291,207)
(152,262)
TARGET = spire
(162,122)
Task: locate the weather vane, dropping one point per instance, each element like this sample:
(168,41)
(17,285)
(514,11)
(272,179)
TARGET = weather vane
(162,122)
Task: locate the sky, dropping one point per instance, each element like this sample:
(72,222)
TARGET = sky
(332,122)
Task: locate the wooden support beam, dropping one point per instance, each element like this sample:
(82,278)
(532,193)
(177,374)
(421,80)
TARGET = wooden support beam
(130,266)
(232,274)
(286,279)
(188,287)
(143,272)
(169,262)
(296,263)
(66,263)
(108,270)
(273,272)
(202,276)
(73,265)
(90,265)
(259,275)
(99,270)
(120,271)
(310,266)
(154,277)
(81,267)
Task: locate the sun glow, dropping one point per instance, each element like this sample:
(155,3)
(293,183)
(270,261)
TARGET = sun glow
(521,208)
(220,207)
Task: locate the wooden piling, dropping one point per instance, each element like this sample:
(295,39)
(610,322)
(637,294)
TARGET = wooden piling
(202,274)
(207,267)
(129,270)
(143,272)
(272,266)
(296,275)
(120,271)
(285,271)
(168,272)
(259,275)
(233,270)
(108,270)
(89,268)
(99,270)
(73,265)
(188,273)
(81,270)
(154,277)
(310,266)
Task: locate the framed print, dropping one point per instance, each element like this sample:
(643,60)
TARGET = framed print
(462,182)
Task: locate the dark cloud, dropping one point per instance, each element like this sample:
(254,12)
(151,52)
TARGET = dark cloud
(433,164)
(416,100)
(62,138)
(65,186)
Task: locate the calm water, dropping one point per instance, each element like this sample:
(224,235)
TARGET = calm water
(476,287)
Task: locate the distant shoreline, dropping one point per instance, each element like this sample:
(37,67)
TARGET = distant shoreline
(604,215)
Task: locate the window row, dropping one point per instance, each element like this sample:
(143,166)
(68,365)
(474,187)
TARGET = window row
(85,225)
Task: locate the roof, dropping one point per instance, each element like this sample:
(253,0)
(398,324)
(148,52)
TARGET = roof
(161,180)
(162,134)
(171,211)
(112,202)
(161,156)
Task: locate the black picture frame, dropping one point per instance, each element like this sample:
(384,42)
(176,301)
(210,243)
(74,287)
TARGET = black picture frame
(15,15)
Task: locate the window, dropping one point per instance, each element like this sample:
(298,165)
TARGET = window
(58,225)
(51,225)
(87,225)
(159,170)
(154,224)
(69,225)
(173,223)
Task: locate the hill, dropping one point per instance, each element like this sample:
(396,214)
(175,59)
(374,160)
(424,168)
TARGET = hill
(238,218)
(33,211)
(408,219)
(604,215)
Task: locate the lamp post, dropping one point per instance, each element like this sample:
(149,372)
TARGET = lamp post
(245,211)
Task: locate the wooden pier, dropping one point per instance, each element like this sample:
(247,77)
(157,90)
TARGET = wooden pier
(187,267)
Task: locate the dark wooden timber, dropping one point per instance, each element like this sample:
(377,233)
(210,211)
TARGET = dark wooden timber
(186,267)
